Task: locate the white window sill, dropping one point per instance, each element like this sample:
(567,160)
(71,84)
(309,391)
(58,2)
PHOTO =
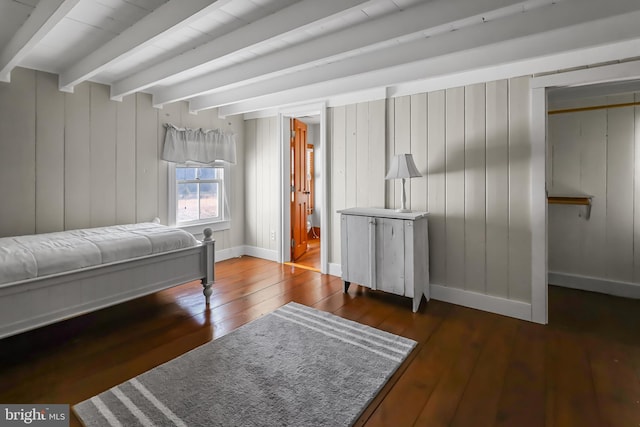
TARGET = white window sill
(197,228)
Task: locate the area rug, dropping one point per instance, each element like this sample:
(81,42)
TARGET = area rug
(296,366)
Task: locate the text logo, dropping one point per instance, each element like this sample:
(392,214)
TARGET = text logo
(34,415)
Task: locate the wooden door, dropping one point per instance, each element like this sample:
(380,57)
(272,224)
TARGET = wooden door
(299,190)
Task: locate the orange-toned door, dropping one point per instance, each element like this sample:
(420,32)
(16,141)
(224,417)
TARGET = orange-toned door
(299,190)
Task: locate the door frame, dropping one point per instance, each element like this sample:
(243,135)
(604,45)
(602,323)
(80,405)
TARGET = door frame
(540,169)
(284,114)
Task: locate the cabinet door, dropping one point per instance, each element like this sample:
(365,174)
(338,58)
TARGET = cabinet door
(390,255)
(357,263)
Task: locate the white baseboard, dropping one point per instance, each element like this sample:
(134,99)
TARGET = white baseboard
(594,284)
(335,269)
(237,251)
(224,254)
(506,307)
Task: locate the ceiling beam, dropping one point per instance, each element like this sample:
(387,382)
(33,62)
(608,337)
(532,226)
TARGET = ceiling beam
(431,17)
(585,43)
(290,18)
(167,18)
(44,17)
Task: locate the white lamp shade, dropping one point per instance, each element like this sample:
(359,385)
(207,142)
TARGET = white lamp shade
(403,166)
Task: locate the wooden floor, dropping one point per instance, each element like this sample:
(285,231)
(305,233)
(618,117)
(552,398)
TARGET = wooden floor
(470,368)
(311,258)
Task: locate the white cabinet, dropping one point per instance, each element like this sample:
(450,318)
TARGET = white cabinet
(386,250)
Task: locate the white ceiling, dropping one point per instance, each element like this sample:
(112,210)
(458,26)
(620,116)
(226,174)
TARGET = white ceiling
(247,55)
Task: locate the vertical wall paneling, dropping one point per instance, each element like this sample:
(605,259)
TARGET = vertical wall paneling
(235,125)
(126,160)
(566,154)
(402,144)
(436,154)
(497,189)
(363,184)
(519,190)
(170,113)
(636,193)
(390,186)
(376,153)
(455,191)
(351,154)
(103,157)
(17,155)
(262,130)
(418,149)
(620,151)
(475,188)
(272,181)
(49,154)
(593,177)
(251,182)
(146,159)
(338,177)
(83,160)
(77,163)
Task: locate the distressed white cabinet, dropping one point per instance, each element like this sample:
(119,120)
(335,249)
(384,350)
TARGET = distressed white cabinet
(386,250)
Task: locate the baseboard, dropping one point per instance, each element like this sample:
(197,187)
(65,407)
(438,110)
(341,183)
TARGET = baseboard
(238,251)
(594,284)
(335,269)
(503,306)
(224,254)
(506,307)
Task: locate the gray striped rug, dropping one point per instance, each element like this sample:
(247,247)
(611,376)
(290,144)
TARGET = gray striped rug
(296,366)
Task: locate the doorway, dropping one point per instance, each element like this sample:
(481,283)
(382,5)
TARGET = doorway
(624,72)
(304,207)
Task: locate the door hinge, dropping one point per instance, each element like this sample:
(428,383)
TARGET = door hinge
(293,243)
(293,134)
(293,188)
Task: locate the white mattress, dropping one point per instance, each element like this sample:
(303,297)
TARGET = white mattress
(27,257)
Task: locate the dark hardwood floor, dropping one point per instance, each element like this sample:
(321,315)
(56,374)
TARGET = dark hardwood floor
(470,368)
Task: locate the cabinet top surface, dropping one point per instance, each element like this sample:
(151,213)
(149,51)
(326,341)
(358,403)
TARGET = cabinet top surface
(383,213)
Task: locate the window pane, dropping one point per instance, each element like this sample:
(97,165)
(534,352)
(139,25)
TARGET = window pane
(187,202)
(209,207)
(183,174)
(207,173)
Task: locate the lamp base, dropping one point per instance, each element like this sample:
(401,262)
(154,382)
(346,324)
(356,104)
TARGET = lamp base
(403,210)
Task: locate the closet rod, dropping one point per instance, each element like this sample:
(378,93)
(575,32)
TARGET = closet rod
(595,107)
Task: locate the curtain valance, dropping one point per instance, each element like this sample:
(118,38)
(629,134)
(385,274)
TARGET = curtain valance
(198,145)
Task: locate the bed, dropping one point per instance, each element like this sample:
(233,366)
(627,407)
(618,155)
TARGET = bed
(50,277)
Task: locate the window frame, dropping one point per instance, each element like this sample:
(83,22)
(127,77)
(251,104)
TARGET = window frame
(222,222)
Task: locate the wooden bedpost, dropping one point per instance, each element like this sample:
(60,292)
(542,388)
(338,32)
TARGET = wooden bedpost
(207,281)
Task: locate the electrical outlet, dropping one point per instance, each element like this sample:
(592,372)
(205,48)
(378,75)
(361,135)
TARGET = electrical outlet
(273,235)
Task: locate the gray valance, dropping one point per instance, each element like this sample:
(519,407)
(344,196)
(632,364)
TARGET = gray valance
(198,145)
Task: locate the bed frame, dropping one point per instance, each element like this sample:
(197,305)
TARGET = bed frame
(29,304)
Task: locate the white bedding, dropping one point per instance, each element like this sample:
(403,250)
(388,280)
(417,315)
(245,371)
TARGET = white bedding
(27,257)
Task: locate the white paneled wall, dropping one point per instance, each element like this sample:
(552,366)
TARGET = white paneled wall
(596,152)
(81,160)
(357,162)
(472,146)
(262,189)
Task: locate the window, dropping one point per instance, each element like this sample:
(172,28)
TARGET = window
(199,195)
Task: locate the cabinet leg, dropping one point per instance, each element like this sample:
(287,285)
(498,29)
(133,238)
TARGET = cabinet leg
(346,286)
(416,302)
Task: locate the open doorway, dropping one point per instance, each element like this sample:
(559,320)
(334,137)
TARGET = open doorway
(304,173)
(304,201)
(597,103)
